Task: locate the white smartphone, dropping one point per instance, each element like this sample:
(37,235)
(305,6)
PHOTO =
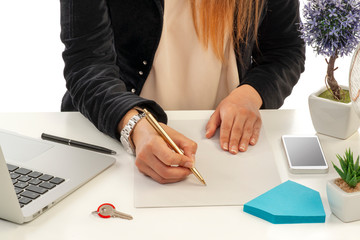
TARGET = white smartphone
(304,154)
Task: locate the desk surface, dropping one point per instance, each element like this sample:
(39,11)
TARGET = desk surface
(72,218)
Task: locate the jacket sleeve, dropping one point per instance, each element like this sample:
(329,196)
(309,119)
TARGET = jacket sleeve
(91,74)
(279,60)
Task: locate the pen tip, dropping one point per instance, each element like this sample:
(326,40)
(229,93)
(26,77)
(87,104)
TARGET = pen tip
(113,152)
(203,182)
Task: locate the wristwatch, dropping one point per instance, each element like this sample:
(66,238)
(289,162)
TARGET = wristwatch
(125,133)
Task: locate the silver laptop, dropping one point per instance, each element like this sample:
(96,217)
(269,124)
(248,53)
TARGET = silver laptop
(36,174)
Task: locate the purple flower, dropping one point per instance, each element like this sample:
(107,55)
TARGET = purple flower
(333,32)
(332,13)
(331,26)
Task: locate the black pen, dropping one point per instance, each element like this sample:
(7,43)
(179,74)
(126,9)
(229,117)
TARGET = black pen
(77,144)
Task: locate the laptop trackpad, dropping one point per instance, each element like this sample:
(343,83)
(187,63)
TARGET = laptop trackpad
(19,148)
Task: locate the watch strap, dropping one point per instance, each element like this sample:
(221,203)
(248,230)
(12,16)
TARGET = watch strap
(125,134)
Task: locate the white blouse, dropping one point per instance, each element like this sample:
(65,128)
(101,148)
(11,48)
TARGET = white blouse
(185,75)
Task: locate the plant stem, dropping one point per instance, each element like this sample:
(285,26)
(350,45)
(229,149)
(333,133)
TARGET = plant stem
(331,81)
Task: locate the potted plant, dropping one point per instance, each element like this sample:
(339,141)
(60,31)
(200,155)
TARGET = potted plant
(344,192)
(332,28)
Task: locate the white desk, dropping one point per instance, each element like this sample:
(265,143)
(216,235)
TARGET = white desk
(72,218)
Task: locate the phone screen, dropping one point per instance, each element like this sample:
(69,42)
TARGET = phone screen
(304,151)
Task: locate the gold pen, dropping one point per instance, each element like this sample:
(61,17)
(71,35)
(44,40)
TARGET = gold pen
(150,118)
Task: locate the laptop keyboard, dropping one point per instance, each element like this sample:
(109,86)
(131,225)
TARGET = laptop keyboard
(30,185)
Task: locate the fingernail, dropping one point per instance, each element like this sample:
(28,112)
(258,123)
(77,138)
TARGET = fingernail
(226,146)
(252,141)
(242,148)
(193,157)
(233,150)
(189,164)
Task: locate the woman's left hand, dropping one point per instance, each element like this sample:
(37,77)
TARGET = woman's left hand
(239,119)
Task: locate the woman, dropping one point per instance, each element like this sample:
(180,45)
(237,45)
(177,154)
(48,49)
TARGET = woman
(234,56)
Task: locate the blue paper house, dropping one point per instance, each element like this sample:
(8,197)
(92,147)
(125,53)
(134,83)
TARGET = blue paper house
(288,202)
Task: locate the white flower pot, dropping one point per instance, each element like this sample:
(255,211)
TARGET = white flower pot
(333,118)
(346,206)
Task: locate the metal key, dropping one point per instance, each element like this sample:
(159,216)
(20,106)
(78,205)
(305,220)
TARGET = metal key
(108,210)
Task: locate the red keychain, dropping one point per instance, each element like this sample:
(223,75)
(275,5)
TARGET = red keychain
(108,210)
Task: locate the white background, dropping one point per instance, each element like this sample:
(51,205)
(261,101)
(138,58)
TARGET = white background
(31,66)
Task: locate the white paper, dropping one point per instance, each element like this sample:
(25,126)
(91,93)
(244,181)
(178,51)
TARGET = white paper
(231,179)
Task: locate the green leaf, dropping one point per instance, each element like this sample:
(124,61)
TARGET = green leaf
(351,166)
(342,163)
(348,153)
(350,160)
(352,183)
(349,156)
(348,176)
(341,173)
(356,167)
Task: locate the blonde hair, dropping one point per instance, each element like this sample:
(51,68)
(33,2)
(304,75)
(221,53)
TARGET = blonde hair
(214,19)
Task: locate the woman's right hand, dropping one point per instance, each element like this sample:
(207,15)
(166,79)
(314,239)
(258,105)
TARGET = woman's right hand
(156,159)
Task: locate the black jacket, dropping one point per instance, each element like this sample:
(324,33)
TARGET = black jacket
(110,47)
